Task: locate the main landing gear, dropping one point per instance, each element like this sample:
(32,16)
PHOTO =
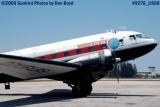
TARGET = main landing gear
(81,90)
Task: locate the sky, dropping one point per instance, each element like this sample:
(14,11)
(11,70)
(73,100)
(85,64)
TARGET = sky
(27,26)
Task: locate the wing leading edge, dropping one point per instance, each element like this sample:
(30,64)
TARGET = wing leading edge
(30,68)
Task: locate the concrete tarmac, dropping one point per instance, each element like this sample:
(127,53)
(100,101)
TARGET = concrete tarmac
(56,94)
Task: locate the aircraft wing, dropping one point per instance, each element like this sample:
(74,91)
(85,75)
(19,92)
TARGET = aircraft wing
(31,68)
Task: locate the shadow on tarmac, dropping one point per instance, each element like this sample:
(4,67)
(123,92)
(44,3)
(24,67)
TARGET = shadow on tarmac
(116,95)
(62,95)
(51,96)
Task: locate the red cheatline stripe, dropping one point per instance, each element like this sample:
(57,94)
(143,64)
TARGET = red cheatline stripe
(73,52)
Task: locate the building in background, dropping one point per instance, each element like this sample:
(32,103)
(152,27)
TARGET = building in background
(150,73)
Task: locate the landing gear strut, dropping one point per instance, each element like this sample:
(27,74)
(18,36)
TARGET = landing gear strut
(82,90)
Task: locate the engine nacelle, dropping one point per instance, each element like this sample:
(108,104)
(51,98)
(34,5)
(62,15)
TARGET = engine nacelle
(101,59)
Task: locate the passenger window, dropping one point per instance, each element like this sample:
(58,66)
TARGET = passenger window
(78,51)
(90,49)
(66,53)
(53,56)
(132,37)
(121,41)
(103,46)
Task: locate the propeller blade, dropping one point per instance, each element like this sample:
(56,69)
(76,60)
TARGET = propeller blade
(117,71)
(116,60)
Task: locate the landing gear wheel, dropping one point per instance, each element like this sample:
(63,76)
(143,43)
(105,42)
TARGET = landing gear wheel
(82,90)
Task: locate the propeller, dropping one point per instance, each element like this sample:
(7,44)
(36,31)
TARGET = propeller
(116,60)
(114,43)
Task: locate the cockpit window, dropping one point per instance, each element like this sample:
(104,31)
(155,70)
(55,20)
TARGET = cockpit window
(132,37)
(139,36)
(121,41)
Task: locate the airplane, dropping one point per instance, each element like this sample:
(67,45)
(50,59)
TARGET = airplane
(77,62)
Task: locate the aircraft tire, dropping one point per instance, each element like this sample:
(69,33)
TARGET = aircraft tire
(82,90)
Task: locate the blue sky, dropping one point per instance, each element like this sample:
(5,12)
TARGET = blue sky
(27,26)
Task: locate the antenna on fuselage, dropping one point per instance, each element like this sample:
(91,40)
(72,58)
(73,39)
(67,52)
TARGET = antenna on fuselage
(116,29)
(122,28)
(112,30)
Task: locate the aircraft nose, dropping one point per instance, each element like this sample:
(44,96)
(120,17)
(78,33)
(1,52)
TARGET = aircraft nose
(154,43)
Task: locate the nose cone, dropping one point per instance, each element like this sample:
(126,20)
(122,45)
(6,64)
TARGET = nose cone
(150,45)
(153,43)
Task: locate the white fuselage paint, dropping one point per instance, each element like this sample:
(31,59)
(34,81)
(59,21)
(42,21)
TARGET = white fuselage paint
(72,44)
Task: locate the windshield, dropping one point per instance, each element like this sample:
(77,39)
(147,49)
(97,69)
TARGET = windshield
(132,37)
(139,36)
